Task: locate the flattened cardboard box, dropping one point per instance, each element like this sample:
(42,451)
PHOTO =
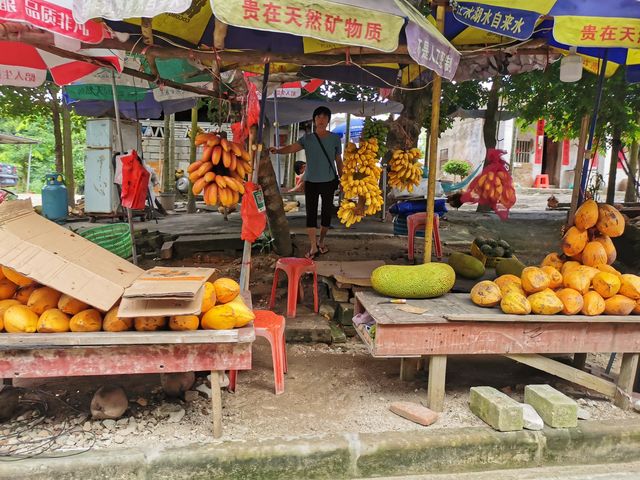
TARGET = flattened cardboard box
(164,291)
(59,258)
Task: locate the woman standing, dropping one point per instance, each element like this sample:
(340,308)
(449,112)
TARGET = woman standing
(322,176)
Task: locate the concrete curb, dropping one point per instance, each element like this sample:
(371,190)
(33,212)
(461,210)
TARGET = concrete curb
(350,455)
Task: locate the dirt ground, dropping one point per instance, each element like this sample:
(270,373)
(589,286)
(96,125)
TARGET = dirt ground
(329,390)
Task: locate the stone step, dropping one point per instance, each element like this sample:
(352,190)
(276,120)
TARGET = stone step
(308,328)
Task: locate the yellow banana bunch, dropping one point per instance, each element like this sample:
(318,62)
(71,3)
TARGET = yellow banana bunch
(347,213)
(405,169)
(360,178)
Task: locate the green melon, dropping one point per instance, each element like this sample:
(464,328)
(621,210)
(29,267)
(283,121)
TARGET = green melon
(413,281)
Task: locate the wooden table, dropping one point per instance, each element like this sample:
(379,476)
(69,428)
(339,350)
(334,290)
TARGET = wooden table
(453,325)
(110,353)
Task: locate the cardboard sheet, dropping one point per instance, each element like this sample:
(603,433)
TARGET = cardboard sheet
(55,256)
(153,307)
(354,273)
(169,283)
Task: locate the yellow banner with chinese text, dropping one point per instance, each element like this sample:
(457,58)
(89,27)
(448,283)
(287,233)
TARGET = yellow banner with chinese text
(597,31)
(322,20)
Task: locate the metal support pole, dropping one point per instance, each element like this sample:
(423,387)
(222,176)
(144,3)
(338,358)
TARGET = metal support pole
(114,91)
(276,127)
(29,169)
(592,128)
(256,152)
(436,88)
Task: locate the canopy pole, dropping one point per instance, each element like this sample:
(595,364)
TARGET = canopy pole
(114,91)
(592,128)
(436,88)
(256,152)
(577,176)
(276,126)
(29,168)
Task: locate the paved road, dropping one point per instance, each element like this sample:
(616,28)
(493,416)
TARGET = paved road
(625,471)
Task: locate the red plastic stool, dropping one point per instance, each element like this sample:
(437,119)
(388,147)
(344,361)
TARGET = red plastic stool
(294,268)
(414,223)
(542,181)
(270,326)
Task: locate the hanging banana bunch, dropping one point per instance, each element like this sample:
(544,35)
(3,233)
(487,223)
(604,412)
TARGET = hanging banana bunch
(405,169)
(220,173)
(360,177)
(377,129)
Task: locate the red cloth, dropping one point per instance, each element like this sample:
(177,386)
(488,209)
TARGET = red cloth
(135,181)
(253,221)
(494,186)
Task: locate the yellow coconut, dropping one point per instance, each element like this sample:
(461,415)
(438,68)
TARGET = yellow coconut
(43,299)
(209,297)
(88,320)
(7,289)
(16,277)
(20,319)
(149,324)
(184,322)
(70,305)
(53,321)
(113,323)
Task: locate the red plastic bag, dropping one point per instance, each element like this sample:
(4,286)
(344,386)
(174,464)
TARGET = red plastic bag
(494,186)
(254,221)
(135,181)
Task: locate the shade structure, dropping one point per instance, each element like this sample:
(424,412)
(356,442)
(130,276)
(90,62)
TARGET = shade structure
(98,85)
(148,107)
(292,26)
(23,65)
(589,25)
(54,16)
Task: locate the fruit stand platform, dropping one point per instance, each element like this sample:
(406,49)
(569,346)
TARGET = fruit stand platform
(453,325)
(125,353)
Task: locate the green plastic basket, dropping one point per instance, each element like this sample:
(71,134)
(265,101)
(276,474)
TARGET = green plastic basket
(114,237)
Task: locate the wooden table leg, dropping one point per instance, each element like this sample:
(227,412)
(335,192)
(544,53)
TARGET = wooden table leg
(579,360)
(216,404)
(408,369)
(626,379)
(435,387)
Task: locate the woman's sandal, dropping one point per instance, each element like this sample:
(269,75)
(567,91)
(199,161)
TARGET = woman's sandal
(322,250)
(311,256)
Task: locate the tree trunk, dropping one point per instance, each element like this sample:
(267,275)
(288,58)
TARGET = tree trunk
(490,127)
(275,207)
(491,124)
(68,155)
(631,194)
(191,203)
(404,132)
(57,134)
(616,144)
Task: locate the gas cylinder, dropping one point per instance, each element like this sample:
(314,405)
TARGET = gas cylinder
(54,197)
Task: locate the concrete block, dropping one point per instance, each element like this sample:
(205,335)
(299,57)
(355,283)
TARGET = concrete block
(337,334)
(339,294)
(497,409)
(556,409)
(166,252)
(414,412)
(532,421)
(345,314)
(307,328)
(328,310)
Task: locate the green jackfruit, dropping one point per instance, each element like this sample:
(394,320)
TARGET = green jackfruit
(413,281)
(466,266)
(510,265)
